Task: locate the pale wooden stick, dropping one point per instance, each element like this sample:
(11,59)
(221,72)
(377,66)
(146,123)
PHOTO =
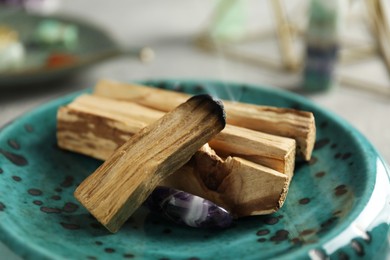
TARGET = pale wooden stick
(97,126)
(347,81)
(160,99)
(207,44)
(277,153)
(356,54)
(92,122)
(285,122)
(122,183)
(291,123)
(252,189)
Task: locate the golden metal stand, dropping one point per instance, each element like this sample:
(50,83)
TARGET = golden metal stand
(292,61)
(286,34)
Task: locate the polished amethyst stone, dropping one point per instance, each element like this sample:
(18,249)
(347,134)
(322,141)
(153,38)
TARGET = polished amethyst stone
(184,208)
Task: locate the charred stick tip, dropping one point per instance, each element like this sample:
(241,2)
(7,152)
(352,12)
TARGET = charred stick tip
(217,105)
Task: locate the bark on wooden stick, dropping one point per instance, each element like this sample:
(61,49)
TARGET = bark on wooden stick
(291,123)
(121,184)
(93,125)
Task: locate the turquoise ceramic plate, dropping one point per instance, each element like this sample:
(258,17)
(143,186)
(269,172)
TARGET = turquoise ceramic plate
(93,45)
(338,203)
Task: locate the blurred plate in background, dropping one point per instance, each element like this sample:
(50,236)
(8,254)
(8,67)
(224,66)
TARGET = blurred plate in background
(52,61)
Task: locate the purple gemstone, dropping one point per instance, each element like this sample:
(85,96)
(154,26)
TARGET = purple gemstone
(184,208)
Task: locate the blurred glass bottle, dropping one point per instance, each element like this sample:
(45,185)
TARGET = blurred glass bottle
(322,44)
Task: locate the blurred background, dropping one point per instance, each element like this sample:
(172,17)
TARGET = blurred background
(334,52)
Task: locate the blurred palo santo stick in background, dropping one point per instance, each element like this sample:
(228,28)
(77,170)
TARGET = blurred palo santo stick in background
(381,28)
(286,39)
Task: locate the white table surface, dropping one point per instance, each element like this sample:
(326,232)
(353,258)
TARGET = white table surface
(169,27)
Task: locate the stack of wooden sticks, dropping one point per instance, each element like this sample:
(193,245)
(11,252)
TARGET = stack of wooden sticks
(246,168)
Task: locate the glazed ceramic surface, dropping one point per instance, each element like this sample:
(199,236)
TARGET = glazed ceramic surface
(337,206)
(93,45)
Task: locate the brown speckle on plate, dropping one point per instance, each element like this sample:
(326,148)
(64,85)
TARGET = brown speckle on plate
(340,190)
(16,159)
(109,250)
(70,207)
(13,144)
(16,178)
(55,197)
(313,160)
(263,232)
(271,220)
(68,181)
(280,235)
(70,226)
(37,202)
(49,210)
(321,143)
(35,192)
(346,156)
(29,128)
(304,201)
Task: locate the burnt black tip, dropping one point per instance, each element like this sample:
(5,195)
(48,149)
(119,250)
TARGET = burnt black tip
(218,104)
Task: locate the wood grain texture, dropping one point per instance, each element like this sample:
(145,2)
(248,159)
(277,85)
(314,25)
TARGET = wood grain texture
(275,152)
(121,184)
(101,124)
(240,186)
(286,122)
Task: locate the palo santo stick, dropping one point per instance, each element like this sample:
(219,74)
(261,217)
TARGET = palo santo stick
(242,187)
(96,126)
(252,189)
(122,183)
(291,123)
(93,125)
(277,153)
(94,135)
